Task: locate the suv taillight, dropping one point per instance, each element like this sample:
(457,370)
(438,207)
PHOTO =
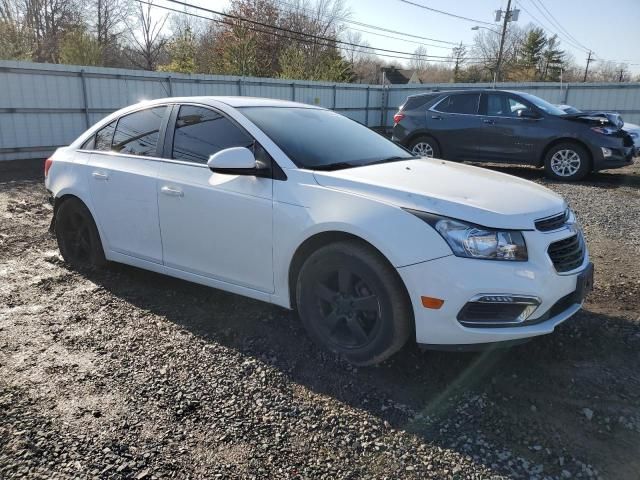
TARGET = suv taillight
(397,118)
(47,165)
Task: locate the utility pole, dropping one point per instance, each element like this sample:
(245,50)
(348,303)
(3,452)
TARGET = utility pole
(509,15)
(586,69)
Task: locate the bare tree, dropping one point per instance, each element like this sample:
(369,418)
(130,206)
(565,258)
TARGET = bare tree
(147,37)
(419,60)
(354,55)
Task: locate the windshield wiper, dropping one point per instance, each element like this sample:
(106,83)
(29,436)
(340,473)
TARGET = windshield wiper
(396,158)
(333,166)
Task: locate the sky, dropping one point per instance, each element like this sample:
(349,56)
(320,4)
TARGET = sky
(610,29)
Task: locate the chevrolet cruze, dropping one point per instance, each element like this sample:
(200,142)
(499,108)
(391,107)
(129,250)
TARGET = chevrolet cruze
(301,207)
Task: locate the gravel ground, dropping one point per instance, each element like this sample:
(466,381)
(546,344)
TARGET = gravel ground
(128,374)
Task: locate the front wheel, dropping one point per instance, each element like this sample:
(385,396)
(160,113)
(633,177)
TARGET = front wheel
(352,302)
(567,161)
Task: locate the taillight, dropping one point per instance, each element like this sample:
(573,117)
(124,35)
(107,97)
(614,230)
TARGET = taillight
(47,165)
(397,118)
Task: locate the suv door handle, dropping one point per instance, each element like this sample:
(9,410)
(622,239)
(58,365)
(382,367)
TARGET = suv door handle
(174,192)
(436,117)
(489,121)
(100,176)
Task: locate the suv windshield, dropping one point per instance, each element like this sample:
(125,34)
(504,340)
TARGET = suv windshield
(323,140)
(542,104)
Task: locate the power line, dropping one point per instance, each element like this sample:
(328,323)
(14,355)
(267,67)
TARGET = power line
(540,24)
(460,17)
(557,23)
(377,27)
(295,32)
(298,39)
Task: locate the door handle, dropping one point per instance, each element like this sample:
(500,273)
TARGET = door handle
(174,192)
(100,176)
(436,117)
(490,122)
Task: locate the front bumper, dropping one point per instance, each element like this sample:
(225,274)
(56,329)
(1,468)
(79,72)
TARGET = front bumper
(457,280)
(620,157)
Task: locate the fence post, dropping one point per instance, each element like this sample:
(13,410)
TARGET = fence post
(293,92)
(335,89)
(85,99)
(170,86)
(366,108)
(566,94)
(240,87)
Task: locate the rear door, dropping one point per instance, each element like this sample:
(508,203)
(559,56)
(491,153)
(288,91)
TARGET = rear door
(455,123)
(215,225)
(507,137)
(122,182)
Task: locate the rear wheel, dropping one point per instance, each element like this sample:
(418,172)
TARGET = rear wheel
(351,302)
(567,161)
(425,146)
(77,235)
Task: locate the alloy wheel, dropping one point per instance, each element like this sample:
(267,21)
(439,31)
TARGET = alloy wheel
(565,163)
(423,149)
(350,313)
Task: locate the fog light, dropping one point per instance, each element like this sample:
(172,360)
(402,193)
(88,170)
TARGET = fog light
(497,310)
(606,152)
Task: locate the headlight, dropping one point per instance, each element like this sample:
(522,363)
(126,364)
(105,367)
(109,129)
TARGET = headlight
(473,241)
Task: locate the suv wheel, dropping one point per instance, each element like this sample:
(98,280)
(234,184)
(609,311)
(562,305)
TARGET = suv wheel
(77,235)
(425,147)
(567,161)
(351,301)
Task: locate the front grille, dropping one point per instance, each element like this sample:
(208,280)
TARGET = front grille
(552,223)
(567,254)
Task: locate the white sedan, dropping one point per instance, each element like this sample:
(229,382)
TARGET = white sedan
(301,207)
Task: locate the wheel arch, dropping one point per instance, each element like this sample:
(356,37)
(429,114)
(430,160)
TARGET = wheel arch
(321,239)
(422,133)
(560,140)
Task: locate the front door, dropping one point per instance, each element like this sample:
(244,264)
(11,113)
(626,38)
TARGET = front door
(212,224)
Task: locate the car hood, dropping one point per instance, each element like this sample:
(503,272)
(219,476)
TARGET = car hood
(474,194)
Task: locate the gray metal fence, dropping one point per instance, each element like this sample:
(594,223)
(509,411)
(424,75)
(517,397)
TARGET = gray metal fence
(43,106)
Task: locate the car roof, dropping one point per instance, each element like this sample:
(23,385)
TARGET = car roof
(232,101)
(466,90)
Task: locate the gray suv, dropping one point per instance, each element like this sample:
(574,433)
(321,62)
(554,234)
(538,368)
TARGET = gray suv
(510,127)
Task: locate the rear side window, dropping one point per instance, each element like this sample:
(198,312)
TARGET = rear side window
(104,137)
(459,103)
(200,132)
(89,144)
(137,133)
(416,102)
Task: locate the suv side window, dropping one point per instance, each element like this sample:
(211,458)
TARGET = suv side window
(104,137)
(459,103)
(502,105)
(200,132)
(137,133)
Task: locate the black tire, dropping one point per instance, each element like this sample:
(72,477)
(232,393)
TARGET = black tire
(560,162)
(428,143)
(77,235)
(351,302)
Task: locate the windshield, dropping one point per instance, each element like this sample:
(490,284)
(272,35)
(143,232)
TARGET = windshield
(321,139)
(542,104)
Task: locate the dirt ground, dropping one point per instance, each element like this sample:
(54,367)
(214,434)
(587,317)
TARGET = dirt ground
(123,373)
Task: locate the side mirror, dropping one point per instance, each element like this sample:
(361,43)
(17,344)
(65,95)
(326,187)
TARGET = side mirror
(527,113)
(237,161)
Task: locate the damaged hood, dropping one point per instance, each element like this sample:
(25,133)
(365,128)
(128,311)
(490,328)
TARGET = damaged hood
(473,194)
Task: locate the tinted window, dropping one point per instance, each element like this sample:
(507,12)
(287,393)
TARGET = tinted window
(104,137)
(137,133)
(415,102)
(503,105)
(201,132)
(542,104)
(459,103)
(313,138)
